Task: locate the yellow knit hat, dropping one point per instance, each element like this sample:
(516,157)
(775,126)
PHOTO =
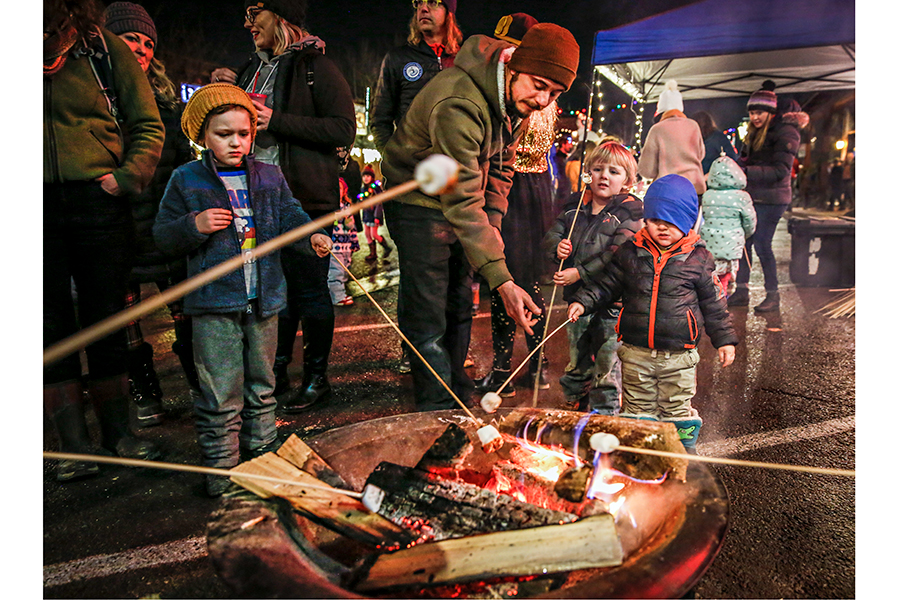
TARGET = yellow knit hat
(206,99)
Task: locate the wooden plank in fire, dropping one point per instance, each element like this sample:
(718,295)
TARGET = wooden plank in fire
(333,510)
(589,543)
(558,429)
(437,508)
(298,453)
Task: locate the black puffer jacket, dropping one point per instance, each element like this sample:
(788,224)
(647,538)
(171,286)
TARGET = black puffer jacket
(404,71)
(309,121)
(150,264)
(769,168)
(667,297)
(595,237)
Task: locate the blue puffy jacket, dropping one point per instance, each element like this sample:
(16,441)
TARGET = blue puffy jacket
(196,187)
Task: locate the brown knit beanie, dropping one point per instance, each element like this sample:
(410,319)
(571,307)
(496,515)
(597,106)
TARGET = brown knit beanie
(122,17)
(209,97)
(547,50)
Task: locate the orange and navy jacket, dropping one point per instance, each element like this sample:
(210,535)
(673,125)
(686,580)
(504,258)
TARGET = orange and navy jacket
(668,296)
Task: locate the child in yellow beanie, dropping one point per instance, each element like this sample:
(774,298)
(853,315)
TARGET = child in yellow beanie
(213,209)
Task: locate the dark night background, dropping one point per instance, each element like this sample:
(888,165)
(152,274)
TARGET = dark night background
(198,35)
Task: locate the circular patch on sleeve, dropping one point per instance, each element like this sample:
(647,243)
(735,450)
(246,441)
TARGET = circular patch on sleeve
(412,71)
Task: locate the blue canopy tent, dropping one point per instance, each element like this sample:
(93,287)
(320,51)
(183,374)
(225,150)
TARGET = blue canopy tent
(716,49)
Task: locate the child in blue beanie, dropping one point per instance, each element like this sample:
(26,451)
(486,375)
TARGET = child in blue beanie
(664,276)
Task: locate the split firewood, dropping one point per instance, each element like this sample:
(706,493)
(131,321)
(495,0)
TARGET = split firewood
(590,543)
(451,448)
(298,453)
(557,428)
(334,510)
(437,508)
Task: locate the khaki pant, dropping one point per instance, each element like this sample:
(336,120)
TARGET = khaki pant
(658,382)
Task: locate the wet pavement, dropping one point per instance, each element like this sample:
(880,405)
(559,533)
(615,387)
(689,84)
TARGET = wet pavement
(788,398)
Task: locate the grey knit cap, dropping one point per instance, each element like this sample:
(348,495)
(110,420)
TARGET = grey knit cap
(122,17)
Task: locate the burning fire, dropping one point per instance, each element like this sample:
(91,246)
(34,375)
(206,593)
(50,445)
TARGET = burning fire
(549,463)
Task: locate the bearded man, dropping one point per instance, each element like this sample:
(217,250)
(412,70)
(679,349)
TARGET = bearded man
(475,113)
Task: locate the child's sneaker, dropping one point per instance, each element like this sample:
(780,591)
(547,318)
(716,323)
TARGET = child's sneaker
(347,301)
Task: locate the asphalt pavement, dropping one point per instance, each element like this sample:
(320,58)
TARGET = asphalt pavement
(789,398)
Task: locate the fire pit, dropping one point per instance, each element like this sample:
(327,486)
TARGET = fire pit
(670,532)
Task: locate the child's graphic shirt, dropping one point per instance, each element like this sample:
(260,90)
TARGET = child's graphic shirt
(235,181)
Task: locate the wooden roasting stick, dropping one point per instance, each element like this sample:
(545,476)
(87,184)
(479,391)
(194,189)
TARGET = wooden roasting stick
(586,179)
(591,542)
(435,174)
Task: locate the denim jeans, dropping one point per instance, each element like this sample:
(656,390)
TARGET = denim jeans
(767,218)
(594,369)
(434,308)
(235,354)
(87,238)
(337,276)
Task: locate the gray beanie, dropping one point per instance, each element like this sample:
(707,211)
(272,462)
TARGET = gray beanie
(122,17)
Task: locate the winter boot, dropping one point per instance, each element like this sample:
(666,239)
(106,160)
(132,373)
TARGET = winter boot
(770,304)
(543,381)
(386,247)
(640,416)
(688,430)
(492,382)
(110,399)
(144,386)
(282,381)
(740,297)
(317,336)
(372,256)
(64,405)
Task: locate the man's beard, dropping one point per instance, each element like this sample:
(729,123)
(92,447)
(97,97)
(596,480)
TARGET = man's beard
(513,110)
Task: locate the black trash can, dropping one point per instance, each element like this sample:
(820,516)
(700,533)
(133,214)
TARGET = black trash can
(823,251)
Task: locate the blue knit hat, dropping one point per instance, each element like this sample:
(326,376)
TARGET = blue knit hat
(673,199)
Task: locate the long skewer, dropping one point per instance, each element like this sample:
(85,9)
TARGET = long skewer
(536,348)
(586,178)
(152,464)
(738,462)
(405,339)
(432,175)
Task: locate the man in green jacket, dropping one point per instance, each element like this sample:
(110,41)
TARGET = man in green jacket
(474,113)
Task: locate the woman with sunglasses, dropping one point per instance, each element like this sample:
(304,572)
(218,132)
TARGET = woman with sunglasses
(306,111)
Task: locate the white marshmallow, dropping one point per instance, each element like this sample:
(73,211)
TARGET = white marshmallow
(437,174)
(490,401)
(604,442)
(372,497)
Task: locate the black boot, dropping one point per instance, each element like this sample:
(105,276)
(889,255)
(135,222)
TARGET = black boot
(769,304)
(64,405)
(282,381)
(387,248)
(740,297)
(317,336)
(110,399)
(372,256)
(543,381)
(492,382)
(144,386)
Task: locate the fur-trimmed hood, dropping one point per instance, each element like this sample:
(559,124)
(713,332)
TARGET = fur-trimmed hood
(799,118)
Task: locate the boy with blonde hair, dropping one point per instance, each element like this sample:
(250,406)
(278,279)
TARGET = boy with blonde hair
(223,205)
(608,217)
